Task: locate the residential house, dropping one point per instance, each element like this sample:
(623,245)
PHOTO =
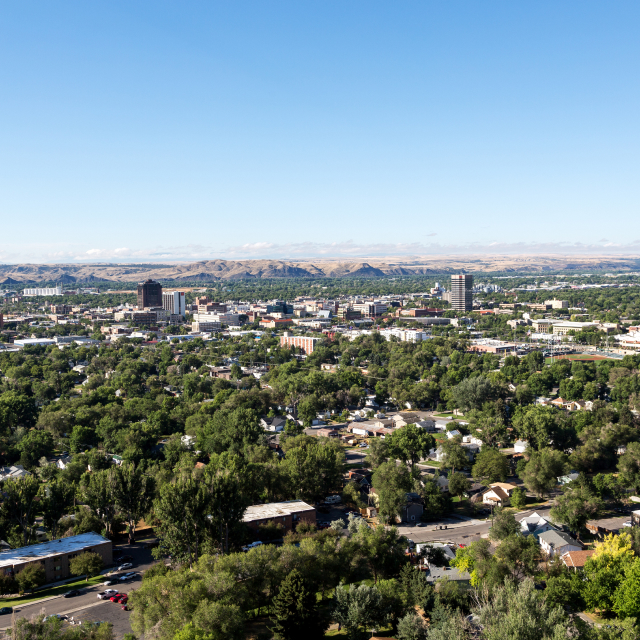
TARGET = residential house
(289,514)
(534,525)
(557,543)
(276,423)
(428,425)
(63,461)
(450,573)
(570,477)
(520,446)
(576,559)
(635,518)
(498,494)
(413,509)
(15,471)
(327,432)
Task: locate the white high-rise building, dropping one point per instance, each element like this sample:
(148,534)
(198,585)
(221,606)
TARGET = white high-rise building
(174,302)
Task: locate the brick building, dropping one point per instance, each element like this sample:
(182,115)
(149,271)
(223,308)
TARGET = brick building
(305,343)
(287,514)
(54,556)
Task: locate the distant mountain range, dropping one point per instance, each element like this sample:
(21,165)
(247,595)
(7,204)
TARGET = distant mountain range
(214,270)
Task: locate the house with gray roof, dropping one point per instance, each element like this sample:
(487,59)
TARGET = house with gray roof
(558,543)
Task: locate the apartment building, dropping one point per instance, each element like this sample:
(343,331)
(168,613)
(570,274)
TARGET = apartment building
(54,556)
(44,291)
(307,344)
(557,304)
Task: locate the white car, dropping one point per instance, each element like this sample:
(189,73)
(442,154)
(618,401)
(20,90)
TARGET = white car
(126,565)
(105,595)
(251,545)
(628,523)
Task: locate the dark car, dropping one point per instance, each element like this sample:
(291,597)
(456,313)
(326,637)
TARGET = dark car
(72,593)
(5,610)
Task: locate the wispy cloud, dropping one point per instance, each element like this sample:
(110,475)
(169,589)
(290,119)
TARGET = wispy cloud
(347,250)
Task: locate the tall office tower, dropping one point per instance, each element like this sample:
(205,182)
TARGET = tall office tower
(174,302)
(461,294)
(149,294)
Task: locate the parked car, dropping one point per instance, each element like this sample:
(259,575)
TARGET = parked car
(122,599)
(251,545)
(6,610)
(628,523)
(115,597)
(421,524)
(126,565)
(127,576)
(72,593)
(123,558)
(107,593)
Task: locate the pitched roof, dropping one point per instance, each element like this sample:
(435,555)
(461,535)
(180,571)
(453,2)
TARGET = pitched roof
(577,559)
(558,538)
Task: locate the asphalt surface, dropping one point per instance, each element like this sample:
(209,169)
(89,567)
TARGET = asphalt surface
(87,606)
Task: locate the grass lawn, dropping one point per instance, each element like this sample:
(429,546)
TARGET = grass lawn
(356,465)
(47,592)
(445,414)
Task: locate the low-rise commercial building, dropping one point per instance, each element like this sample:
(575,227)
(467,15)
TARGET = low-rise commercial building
(288,514)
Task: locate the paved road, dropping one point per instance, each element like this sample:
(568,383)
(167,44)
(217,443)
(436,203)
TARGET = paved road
(457,531)
(87,606)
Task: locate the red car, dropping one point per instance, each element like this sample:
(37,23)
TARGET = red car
(123,600)
(117,597)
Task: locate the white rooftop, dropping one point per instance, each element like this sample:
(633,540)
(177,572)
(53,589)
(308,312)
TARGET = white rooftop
(51,548)
(273,510)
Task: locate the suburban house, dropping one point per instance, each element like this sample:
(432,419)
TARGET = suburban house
(520,446)
(273,424)
(534,525)
(557,543)
(413,508)
(576,559)
(327,432)
(498,494)
(15,471)
(288,514)
(570,477)
(53,556)
(428,425)
(635,518)
(450,573)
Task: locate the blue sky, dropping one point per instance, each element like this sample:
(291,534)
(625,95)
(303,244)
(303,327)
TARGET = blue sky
(135,131)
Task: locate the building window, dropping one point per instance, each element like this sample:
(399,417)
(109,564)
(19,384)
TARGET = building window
(58,568)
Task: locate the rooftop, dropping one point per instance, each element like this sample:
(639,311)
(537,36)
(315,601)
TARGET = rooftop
(51,548)
(275,510)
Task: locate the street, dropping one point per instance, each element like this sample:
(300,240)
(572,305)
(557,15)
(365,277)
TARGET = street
(87,606)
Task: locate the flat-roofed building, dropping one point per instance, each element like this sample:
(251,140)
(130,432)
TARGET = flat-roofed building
(174,302)
(149,294)
(306,343)
(288,514)
(54,556)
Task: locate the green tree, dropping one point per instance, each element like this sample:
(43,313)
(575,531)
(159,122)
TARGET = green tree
(626,600)
(382,549)
(542,471)
(455,455)
(410,444)
(30,577)
(377,453)
(81,438)
(490,465)
(391,483)
(132,492)
(504,525)
(33,446)
(181,509)
(629,466)
(87,563)
(472,393)
(459,484)
(55,498)
(295,611)
(357,607)
(518,499)
(19,505)
(97,491)
(576,506)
